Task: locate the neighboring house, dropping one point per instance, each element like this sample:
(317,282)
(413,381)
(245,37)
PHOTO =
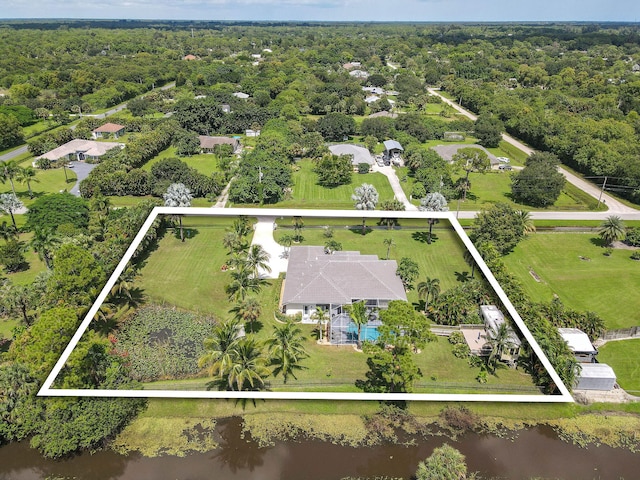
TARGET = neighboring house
(383,113)
(252,133)
(241,95)
(448,151)
(359,74)
(358,154)
(108,130)
(478,336)
(579,344)
(595,376)
(350,65)
(80,150)
(371,99)
(207,144)
(226,108)
(190,57)
(333,280)
(392,151)
(374,90)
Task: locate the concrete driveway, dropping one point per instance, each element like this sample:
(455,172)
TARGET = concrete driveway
(82,171)
(263,235)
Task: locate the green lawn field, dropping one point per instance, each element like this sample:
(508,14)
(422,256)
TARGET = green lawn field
(206,163)
(49,181)
(622,356)
(308,194)
(605,285)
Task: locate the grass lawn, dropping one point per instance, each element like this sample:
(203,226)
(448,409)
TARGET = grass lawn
(130,201)
(308,194)
(36,266)
(50,181)
(206,163)
(605,285)
(6,327)
(623,357)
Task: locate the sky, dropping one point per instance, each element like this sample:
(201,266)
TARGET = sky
(330,10)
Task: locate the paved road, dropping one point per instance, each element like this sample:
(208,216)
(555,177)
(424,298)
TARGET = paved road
(13,154)
(615,206)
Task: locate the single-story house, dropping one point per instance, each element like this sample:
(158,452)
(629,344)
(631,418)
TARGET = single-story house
(226,108)
(374,90)
(392,151)
(108,130)
(579,344)
(448,151)
(372,98)
(252,133)
(190,57)
(79,149)
(358,154)
(207,144)
(241,95)
(332,280)
(595,376)
(359,74)
(350,65)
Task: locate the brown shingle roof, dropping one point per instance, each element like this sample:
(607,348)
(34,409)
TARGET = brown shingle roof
(109,128)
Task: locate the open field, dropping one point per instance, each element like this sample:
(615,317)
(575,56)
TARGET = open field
(605,285)
(308,194)
(206,163)
(49,181)
(622,356)
(6,326)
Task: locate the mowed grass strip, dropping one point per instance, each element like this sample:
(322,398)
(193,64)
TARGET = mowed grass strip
(622,356)
(573,267)
(205,163)
(308,194)
(49,181)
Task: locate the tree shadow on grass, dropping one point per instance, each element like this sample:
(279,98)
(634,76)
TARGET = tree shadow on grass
(358,230)
(423,237)
(189,232)
(463,276)
(598,242)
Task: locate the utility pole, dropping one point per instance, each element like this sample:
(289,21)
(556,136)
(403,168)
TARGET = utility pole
(604,184)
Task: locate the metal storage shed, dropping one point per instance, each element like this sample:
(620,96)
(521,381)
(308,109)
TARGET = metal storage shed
(595,376)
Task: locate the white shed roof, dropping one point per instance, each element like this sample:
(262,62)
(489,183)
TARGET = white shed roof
(596,370)
(577,340)
(392,145)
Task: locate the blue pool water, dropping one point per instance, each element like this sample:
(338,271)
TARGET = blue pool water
(368,333)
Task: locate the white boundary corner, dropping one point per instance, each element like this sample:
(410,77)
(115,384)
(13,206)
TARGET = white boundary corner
(47,389)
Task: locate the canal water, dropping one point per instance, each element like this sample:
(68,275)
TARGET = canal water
(534,453)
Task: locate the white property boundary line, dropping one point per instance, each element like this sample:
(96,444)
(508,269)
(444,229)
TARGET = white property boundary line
(47,389)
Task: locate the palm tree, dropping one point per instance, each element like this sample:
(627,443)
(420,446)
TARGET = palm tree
(526,221)
(358,315)
(433,202)
(7,232)
(365,198)
(219,348)
(8,171)
(499,339)
(178,195)
(286,350)
(286,240)
(389,243)
(243,282)
(298,225)
(241,226)
(430,288)
(612,229)
(100,204)
(10,204)
(469,160)
(234,243)
(320,315)
(468,258)
(257,259)
(247,311)
(43,242)
(27,175)
(248,369)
